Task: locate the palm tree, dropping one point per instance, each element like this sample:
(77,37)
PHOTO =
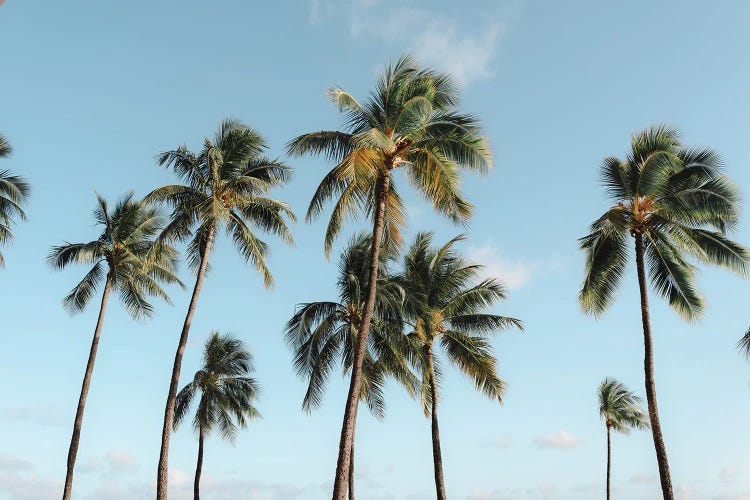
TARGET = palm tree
(744,343)
(227,394)
(226,187)
(621,411)
(126,259)
(14,192)
(675,203)
(411,122)
(445,302)
(323,334)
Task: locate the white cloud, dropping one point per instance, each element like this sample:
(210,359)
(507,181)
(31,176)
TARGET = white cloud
(560,440)
(513,274)
(11,463)
(435,39)
(120,462)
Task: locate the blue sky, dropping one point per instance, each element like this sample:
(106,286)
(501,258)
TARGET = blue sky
(90,91)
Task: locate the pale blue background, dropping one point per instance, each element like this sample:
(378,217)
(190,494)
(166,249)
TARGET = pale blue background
(91,90)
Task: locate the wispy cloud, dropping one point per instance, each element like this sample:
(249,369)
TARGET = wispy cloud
(512,273)
(468,53)
(502,443)
(561,440)
(11,463)
(642,479)
(39,415)
(729,473)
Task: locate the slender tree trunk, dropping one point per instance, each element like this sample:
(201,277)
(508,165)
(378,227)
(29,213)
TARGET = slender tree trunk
(340,486)
(198,466)
(76,437)
(162,478)
(351,471)
(437,456)
(609,459)
(648,367)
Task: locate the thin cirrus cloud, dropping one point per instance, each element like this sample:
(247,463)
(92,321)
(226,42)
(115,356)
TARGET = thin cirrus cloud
(561,440)
(513,274)
(467,53)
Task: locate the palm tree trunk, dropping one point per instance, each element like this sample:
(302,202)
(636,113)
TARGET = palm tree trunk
(198,466)
(609,459)
(340,485)
(351,472)
(648,367)
(77,424)
(162,478)
(437,456)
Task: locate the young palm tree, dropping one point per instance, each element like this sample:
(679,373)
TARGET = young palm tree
(323,334)
(675,203)
(621,411)
(409,122)
(226,187)
(14,192)
(125,259)
(445,304)
(227,394)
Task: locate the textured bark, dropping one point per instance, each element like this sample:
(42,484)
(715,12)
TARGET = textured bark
(78,423)
(609,458)
(648,368)
(351,472)
(437,456)
(162,477)
(198,467)
(340,484)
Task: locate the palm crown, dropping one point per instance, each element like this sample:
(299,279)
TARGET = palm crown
(126,256)
(14,191)
(409,121)
(226,186)
(227,391)
(680,203)
(445,303)
(323,333)
(619,408)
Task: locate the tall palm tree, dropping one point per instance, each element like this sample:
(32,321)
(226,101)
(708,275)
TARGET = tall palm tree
(409,122)
(621,411)
(446,303)
(227,392)
(744,343)
(323,334)
(14,192)
(125,259)
(226,187)
(676,203)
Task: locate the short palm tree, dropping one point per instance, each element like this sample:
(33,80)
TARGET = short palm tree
(409,122)
(323,334)
(226,187)
(675,203)
(14,192)
(227,393)
(446,303)
(125,259)
(621,411)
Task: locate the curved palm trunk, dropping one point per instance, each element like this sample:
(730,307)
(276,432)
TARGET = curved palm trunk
(437,456)
(340,484)
(609,458)
(198,466)
(78,423)
(161,480)
(648,367)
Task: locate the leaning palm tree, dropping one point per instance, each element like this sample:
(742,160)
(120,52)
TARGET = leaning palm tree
(227,392)
(14,192)
(411,122)
(676,203)
(446,304)
(226,187)
(124,259)
(621,411)
(323,334)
